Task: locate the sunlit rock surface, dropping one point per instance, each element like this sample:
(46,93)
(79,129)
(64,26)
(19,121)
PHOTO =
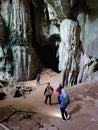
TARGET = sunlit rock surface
(69,51)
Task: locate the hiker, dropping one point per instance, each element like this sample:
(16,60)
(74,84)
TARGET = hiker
(48,93)
(58,90)
(63,103)
(38,79)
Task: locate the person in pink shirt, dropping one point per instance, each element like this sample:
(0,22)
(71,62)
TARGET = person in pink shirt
(58,90)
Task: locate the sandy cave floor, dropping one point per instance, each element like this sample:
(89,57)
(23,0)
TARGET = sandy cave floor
(30,113)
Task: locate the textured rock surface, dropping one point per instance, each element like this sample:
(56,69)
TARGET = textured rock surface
(85,14)
(25,63)
(21,60)
(68,51)
(69,25)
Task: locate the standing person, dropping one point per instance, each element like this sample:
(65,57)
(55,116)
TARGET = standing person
(38,79)
(58,90)
(48,93)
(63,103)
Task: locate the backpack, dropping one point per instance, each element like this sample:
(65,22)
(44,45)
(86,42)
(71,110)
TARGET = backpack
(65,101)
(51,90)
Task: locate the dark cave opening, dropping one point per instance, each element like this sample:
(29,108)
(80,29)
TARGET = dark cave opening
(45,48)
(47,53)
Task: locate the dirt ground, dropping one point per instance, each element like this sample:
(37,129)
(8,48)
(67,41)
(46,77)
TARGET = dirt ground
(30,112)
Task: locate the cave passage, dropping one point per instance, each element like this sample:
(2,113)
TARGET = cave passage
(45,49)
(47,56)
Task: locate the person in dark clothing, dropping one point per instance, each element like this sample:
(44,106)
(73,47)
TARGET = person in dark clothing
(63,104)
(38,79)
(48,93)
(58,90)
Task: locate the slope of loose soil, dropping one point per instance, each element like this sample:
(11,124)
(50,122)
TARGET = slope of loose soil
(30,113)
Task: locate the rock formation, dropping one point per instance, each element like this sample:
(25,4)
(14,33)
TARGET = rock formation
(18,57)
(66,29)
(78,32)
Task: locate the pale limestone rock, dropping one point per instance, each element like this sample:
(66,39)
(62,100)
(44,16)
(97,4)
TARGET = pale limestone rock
(53,29)
(87,66)
(88,98)
(2,62)
(90,36)
(25,63)
(80,96)
(16,15)
(64,52)
(1,52)
(67,51)
(52,13)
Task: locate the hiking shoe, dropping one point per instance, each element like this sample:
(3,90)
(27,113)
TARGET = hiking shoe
(67,117)
(64,119)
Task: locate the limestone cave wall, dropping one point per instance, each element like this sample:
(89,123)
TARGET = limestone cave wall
(68,29)
(77,19)
(21,61)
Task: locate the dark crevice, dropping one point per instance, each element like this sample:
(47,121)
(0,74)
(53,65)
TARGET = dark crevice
(45,48)
(47,56)
(48,53)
